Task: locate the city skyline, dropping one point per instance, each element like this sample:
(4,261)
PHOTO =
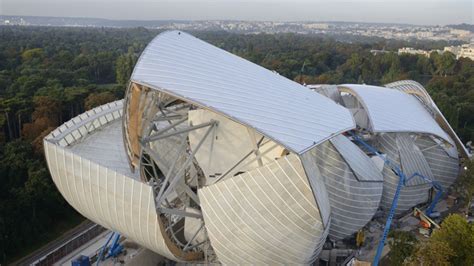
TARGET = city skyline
(420,12)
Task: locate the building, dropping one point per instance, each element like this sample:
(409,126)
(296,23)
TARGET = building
(211,158)
(452,49)
(416,138)
(409,50)
(465,50)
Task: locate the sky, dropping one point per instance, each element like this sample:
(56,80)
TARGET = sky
(423,12)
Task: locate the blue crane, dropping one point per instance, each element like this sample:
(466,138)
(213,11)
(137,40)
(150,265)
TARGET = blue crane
(114,250)
(401,182)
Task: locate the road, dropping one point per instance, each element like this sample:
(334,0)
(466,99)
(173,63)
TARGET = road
(55,244)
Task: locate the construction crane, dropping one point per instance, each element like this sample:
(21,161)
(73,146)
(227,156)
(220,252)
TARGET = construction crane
(401,182)
(437,197)
(113,251)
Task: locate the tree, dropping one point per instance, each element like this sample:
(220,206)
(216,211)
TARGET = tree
(124,67)
(465,183)
(424,65)
(45,119)
(30,206)
(452,244)
(444,63)
(401,247)
(97,99)
(74,97)
(459,235)
(31,54)
(13,109)
(46,106)
(431,253)
(393,72)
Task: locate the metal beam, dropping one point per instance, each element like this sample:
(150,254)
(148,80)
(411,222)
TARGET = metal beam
(211,150)
(262,154)
(234,166)
(180,213)
(181,131)
(239,162)
(167,128)
(189,160)
(173,224)
(161,107)
(430,147)
(170,170)
(151,164)
(166,118)
(191,194)
(152,153)
(253,139)
(197,245)
(194,237)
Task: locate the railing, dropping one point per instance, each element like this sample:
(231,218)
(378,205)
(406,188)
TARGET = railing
(82,125)
(71,245)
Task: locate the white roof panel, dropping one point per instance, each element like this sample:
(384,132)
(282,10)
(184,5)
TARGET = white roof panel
(105,147)
(414,88)
(285,111)
(362,166)
(394,111)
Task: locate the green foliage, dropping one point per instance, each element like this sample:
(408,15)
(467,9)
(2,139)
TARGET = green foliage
(45,77)
(97,99)
(402,246)
(29,203)
(431,253)
(30,54)
(124,67)
(459,235)
(452,244)
(465,182)
(444,63)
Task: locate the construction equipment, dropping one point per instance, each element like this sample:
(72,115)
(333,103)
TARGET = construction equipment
(425,219)
(360,238)
(402,181)
(437,197)
(81,261)
(114,249)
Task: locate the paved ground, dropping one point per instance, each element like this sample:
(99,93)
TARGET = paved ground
(58,242)
(89,249)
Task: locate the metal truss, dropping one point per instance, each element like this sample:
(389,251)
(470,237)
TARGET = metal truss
(175,186)
(167,162)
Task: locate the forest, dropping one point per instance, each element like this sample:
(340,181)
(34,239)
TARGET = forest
(49,75)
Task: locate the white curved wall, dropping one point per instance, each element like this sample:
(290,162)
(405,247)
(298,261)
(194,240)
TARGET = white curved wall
(353,202)
(410,195)
(418,91)
(95,189)
(267,215)
(445,168)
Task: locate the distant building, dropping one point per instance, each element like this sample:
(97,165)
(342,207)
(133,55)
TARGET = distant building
(409,50)
(452,49)
(320,26)
(460,33)
(465,50)
(376,52)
